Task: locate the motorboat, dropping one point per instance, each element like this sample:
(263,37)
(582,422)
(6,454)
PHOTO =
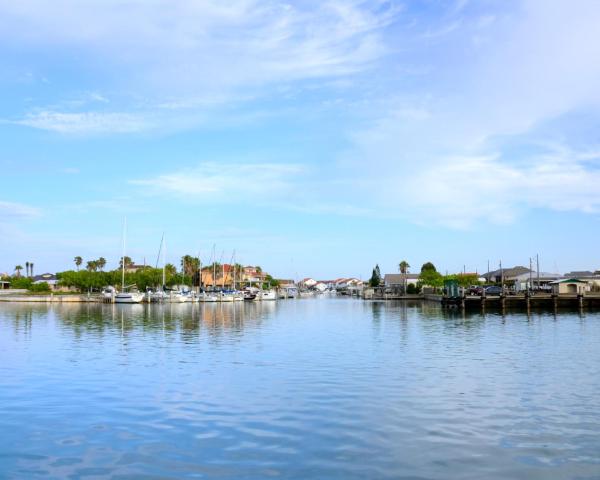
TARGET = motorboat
(249,296)
(268,295)
(108,293)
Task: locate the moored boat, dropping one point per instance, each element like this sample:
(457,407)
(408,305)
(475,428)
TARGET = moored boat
(268,295)
(129,297)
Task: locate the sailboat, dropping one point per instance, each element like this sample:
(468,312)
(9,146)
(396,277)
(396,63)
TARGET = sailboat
(123,296)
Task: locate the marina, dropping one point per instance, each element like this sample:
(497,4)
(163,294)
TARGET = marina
(324,387)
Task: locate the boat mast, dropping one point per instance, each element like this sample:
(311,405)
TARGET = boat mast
(234,269)
(164,280)
(214,259)
(222,271)
(123,256)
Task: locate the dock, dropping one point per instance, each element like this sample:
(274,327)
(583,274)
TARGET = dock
(522,302)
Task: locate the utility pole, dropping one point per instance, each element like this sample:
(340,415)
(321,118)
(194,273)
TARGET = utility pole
(530,287)
(537,261)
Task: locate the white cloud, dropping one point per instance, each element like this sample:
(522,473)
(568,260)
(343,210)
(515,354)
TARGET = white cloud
(463,157)
(207,44)
(229,182)
(11,210)
(86,122)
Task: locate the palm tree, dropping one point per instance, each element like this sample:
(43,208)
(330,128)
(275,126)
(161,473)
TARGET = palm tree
(78,261)
(101,263)
(18,269)
(170,269)
(92,265)
(27,269)
(189,265)
(403,266)
(31,268)
(127,260)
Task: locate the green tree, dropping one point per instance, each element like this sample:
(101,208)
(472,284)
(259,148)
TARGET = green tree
(431,278)
(20,283)
(464,280)
(170,269)
(18,269)
(78,261)
(101,262)
(190,265)
(42,287)
(271,282)
(375,279)
(92,265)
(428,266)
(403,267)
(128,262)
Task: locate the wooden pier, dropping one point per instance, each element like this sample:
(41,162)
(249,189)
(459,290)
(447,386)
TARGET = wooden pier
(521,302)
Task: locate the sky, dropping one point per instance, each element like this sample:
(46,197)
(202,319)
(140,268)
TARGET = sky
(313,138)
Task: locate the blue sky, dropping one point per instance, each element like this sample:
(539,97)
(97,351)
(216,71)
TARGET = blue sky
(315,138)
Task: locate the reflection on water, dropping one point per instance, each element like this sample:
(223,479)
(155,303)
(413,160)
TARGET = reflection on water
(315,388)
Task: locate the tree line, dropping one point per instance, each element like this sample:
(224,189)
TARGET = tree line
(428,277)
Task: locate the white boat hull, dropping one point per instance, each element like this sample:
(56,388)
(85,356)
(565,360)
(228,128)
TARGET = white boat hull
(129,298)
(268,295)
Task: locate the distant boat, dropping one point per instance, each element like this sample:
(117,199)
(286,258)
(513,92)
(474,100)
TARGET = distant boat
(123,296)
(249,296)
(226,297)
(129,297)
(268,295)
(208,297)
(175,296)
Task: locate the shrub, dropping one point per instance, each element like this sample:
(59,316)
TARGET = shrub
(411,289)
(20,282)
(39,287)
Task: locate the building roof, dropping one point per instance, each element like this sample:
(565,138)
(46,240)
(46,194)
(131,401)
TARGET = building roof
(576,274)
(44,277)
(568,280)
(542,276)
(508,272)
(398,278)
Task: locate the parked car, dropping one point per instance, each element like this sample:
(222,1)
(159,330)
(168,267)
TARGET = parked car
(475,290)
(493,290)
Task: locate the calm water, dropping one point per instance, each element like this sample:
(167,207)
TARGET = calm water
(303,389)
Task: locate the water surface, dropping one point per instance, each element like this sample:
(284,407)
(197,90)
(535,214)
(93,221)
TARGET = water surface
(298,389)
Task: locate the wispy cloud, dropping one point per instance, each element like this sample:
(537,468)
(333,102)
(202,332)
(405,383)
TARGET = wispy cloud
(12,210)
(86,122)
(467,157)
(209,43)
(211,181)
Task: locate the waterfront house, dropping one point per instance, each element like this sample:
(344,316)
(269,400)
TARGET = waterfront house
(48,278)
(397,280)
(532,280)
(307,283)
(253,274)
(133,268)
(4,284)
(570,285)
(508,274)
